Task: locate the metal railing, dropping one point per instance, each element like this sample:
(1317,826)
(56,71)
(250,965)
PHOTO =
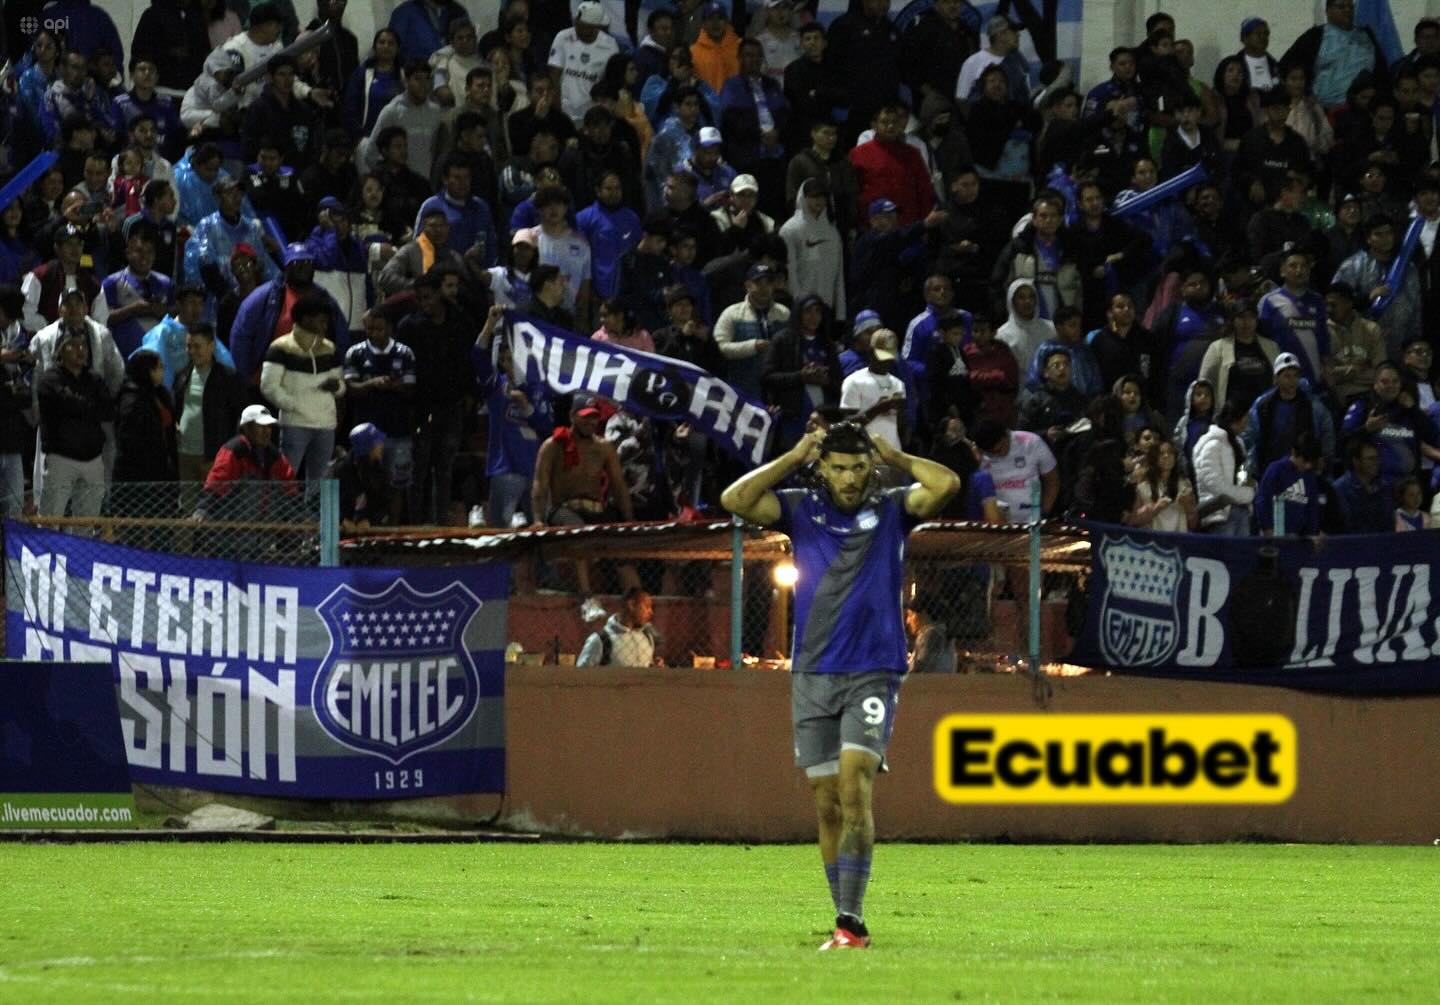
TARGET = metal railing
(723,593)
(291,523)
(1005,595)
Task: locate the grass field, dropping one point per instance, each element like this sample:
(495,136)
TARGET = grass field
(686,923)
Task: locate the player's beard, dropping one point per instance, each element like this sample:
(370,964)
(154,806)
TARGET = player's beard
(849,500)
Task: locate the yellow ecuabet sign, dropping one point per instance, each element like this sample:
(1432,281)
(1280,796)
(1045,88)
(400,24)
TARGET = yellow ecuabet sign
(1115,759)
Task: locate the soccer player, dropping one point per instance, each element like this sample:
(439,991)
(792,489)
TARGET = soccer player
(848,655)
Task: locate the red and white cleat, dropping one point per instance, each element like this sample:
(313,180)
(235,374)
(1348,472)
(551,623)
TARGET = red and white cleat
(846,939)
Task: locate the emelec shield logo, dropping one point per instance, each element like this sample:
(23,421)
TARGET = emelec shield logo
(1139,611)
(397,678)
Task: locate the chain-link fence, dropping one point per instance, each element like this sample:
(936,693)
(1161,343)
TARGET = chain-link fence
(685,567)
(291,523)
(284,523)
(973,580)
(1007,598)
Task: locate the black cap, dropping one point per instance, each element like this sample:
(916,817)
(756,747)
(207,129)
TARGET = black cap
(758,271)
(951,319)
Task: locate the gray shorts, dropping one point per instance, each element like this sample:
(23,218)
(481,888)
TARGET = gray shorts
(832,712)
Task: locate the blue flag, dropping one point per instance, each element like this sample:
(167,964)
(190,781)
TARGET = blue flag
(1376,15)
(647,384)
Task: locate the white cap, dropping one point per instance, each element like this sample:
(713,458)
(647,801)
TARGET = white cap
(1285,361)
(258,414)
(883,345)
(709,136)
(592,13)
(744,183)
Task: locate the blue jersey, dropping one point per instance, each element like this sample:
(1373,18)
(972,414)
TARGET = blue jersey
(848,617)
(1297,324)
(611,233)
(1299,491)
(515,432)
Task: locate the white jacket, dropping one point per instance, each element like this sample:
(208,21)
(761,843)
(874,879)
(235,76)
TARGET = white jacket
(1217,476)
(290,380)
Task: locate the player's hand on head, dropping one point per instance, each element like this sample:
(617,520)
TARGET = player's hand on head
(882,447)
(809,446)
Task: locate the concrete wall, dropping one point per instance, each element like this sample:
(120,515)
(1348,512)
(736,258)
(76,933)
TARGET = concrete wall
(680,753)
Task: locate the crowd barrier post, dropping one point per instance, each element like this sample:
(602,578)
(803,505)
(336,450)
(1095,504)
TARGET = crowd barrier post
(1036,586)
(330,523)
(737,590)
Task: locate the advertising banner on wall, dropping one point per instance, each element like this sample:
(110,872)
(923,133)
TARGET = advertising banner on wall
(276,680)
(1355,613)
(62,763)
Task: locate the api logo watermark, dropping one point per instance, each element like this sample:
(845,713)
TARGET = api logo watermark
(32,25)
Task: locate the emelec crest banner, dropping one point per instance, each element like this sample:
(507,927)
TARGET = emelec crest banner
(1350,613)
(276,680)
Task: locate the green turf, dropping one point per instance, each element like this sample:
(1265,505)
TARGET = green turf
(681,923)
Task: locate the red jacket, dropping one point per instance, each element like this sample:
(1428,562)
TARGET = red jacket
(897,172)
(239,461)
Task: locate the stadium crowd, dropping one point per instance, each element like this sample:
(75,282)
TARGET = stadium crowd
(1173,301)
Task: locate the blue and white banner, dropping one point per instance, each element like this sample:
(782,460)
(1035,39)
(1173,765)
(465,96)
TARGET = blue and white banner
(647,384)
(276,680)
(1354,613)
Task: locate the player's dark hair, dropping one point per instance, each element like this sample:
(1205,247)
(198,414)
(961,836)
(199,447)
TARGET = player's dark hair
(845,438)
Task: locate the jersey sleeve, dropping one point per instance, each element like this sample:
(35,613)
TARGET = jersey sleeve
(896,497)
(790,502)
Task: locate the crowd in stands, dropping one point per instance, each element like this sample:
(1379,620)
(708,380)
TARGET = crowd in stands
(1192,298)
